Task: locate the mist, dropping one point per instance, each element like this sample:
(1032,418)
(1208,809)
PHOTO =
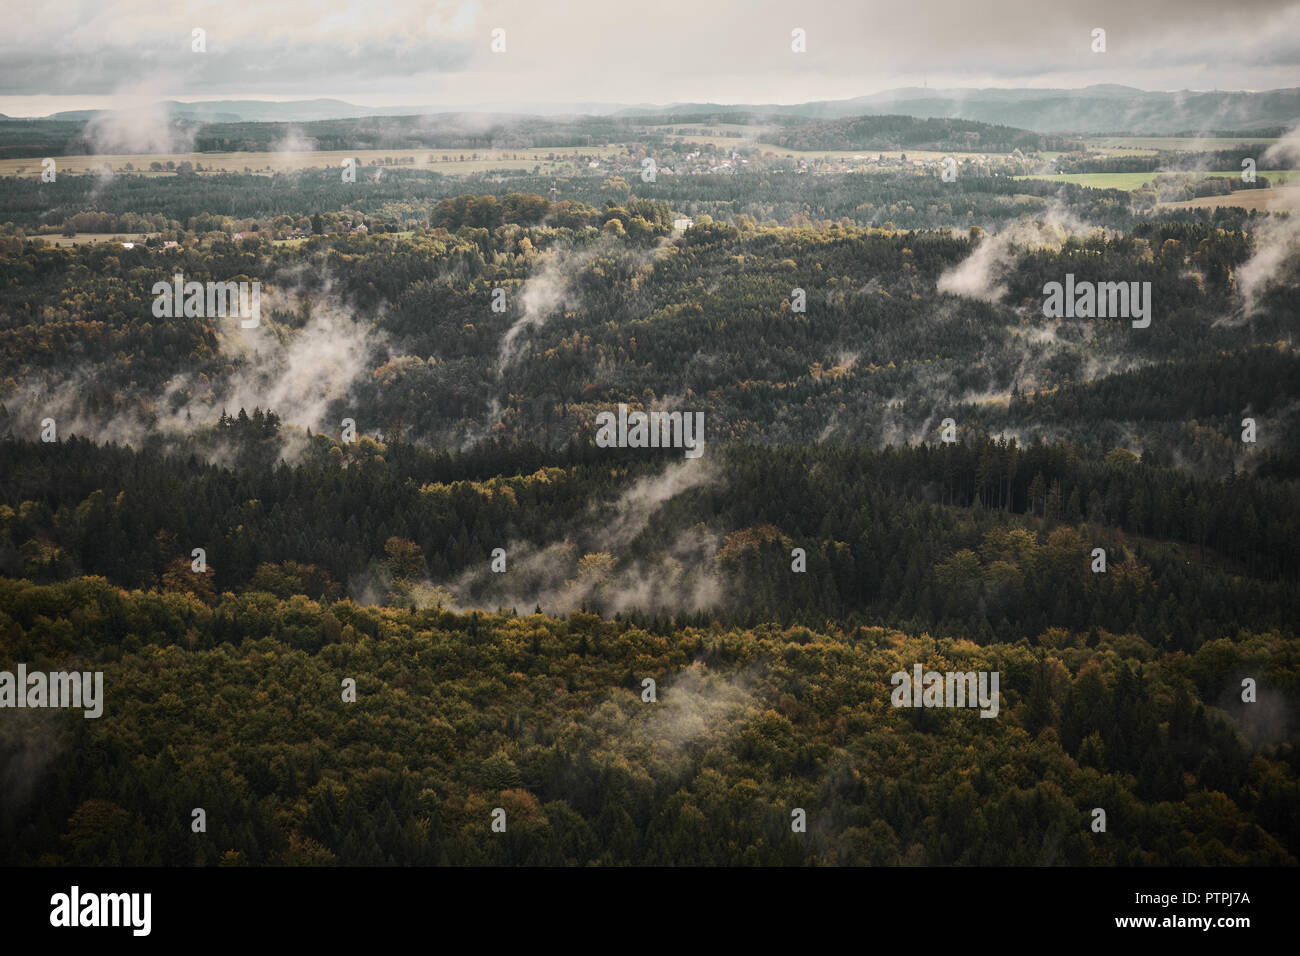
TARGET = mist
(554,286)
(297,373)
(140,129)
(694,705)
(582,570)
(982,274)
(1277,252)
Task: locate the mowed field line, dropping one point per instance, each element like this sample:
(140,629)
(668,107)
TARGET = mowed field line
(1131,181)
(269,162)
(1270,200)
(565,159)
(1185,144)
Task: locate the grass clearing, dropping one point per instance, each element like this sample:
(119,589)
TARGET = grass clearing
(1272,199)
(1131,181)
(475,161)
(1189,144)
(91,238)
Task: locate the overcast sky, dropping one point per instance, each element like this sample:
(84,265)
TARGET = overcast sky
(73,54)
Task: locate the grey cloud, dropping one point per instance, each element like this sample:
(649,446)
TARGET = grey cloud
(728,51)
(260,68)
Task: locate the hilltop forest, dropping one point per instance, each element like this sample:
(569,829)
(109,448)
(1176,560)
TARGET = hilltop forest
(392,480)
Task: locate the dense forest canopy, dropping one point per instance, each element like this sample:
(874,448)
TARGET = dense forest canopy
(392,478)
(235,707)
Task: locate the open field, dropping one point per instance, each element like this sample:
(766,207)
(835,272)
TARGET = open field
(714,134)
(561,161)
(268,163)
(92,238)
(1150,144)
(862,155)
(1273,198)
(96,238)
(1131,181)
(712,142)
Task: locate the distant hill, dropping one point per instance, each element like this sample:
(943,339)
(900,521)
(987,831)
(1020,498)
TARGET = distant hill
(909,132)
(1098,109)
(248,111)
(1017,113)
(1091,110)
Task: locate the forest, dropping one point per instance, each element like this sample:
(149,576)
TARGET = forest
(605,304)
(235,707)
(360,576)
(908,132)
(775,193)
(19,139)
(986,540)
